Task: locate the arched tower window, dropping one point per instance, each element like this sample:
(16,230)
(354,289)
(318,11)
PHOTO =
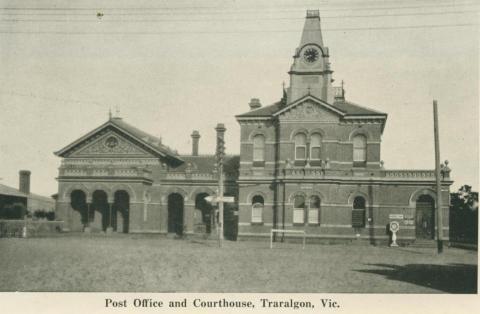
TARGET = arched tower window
(358,212)
(314,210)
(257,209)
(300,146)
(315,146)
(259,148)
(359,150)
(299,209)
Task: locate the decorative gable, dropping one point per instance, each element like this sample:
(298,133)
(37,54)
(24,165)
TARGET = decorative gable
(107,145)
(309,110)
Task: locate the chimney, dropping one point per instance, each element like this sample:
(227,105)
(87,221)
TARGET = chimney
(220,128)
(255,103)
(339,92)
(24,182)
(195,138)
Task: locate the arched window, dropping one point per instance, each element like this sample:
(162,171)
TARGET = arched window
(314,210)
(299,209)
(358,212)
(258,148)
(257,209)
(359,150)
(300,146)
(315,146)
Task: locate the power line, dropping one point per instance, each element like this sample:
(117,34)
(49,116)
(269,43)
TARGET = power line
(235,11)
(241,31)
(105,20)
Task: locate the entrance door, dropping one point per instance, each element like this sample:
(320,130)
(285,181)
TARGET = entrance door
(175,213)
(425,217)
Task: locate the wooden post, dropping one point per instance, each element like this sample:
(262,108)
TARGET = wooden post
(437,179)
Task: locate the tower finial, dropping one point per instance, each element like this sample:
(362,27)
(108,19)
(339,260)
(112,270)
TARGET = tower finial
(110,113)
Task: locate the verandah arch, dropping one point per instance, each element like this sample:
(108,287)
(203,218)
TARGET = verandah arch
(204,211)
(78,202)
(121,211)
(175,203)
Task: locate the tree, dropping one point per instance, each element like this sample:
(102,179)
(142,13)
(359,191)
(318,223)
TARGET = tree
(464,215)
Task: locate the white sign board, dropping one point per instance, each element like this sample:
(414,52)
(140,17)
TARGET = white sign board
(395,216)
(216,199)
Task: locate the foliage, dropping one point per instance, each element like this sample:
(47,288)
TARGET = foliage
(43,214)
(13,211)
(464,215)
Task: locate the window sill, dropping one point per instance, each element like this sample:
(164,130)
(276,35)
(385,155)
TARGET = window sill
(359,164)
(258,164)
(298,224)
(300,163)
(256,223)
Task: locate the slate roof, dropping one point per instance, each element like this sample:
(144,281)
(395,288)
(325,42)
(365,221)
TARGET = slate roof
(349,108)
(266,111)
(205,163)
(353,109)
(10,191)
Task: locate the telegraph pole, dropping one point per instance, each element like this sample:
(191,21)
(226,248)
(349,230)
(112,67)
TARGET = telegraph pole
(439,211)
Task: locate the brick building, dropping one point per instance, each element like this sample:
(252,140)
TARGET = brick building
(310,161)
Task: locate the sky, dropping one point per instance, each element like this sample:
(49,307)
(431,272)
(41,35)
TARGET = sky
(170,67)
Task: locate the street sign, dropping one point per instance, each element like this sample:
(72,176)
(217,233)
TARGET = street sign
(217,199)
(210,199)
(395,216)
(227,199)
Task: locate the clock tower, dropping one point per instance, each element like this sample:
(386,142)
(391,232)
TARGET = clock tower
(310,72)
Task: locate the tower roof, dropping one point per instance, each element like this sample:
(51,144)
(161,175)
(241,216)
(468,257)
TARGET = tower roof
(312,33)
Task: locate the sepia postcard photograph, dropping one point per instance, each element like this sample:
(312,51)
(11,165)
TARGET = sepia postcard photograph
(239,156)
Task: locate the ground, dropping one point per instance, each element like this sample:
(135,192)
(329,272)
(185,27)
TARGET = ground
(142,263)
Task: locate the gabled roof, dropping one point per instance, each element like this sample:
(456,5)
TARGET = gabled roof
(10,191)
(341,107)
(151,142)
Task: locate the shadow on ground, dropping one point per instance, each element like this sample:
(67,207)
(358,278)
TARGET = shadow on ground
(452,278)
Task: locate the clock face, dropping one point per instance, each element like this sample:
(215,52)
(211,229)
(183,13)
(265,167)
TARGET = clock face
(311,55)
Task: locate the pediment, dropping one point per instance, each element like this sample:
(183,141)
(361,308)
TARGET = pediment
(310,109)
(108,144)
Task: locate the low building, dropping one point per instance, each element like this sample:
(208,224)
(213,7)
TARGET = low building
(10,196)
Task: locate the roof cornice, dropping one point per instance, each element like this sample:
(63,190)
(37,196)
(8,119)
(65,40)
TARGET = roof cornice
(310,97)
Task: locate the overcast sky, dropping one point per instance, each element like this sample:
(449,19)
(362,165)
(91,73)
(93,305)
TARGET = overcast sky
(175,66)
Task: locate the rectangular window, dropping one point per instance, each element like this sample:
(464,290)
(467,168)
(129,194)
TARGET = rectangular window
(258,154)
(359,154)
(358,218)
(315,153)
(257,212)
(301,152)
(313,216)
(298,216)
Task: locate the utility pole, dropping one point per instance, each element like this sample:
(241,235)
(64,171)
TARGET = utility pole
(439,211)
